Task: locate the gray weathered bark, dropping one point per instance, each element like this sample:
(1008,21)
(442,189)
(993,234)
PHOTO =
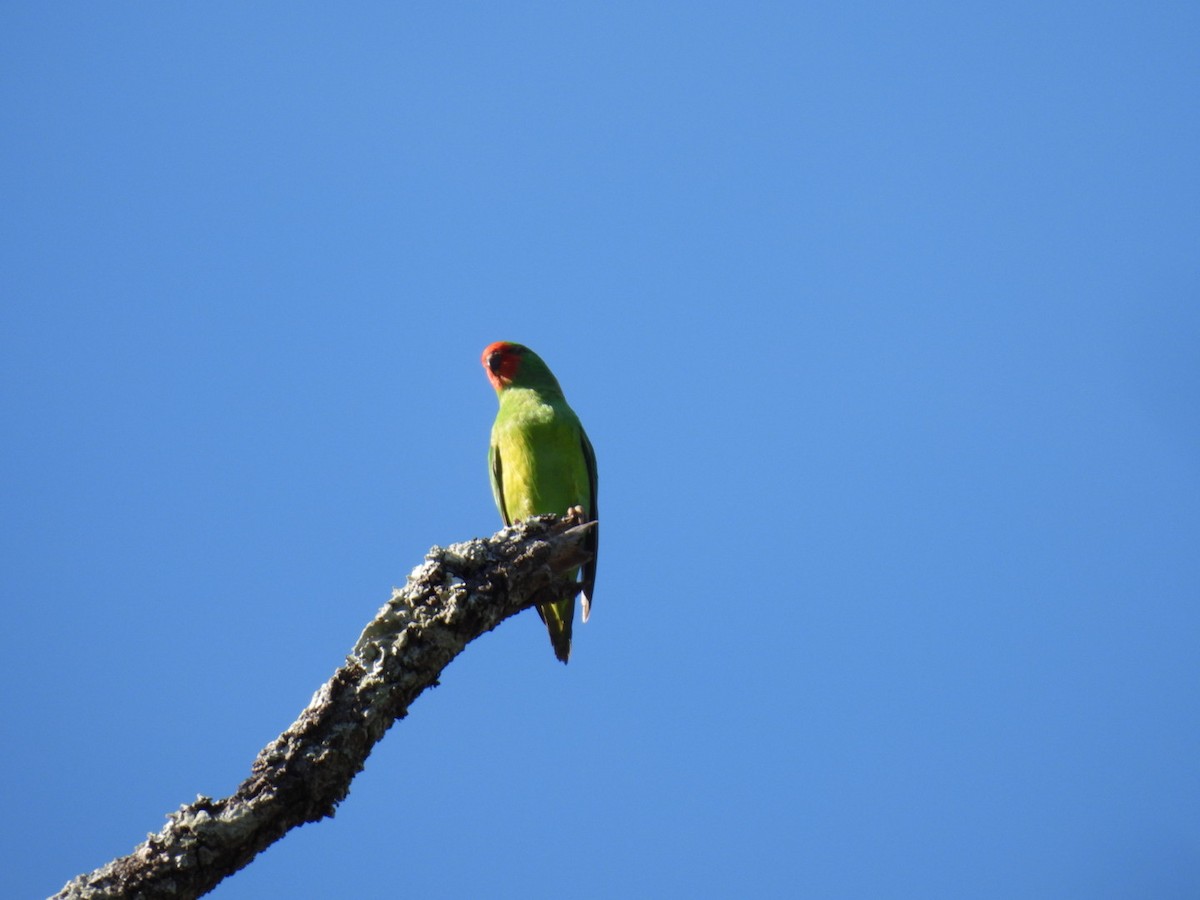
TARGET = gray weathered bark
(456,595)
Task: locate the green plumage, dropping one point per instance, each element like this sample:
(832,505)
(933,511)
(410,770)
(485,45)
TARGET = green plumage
(540,462)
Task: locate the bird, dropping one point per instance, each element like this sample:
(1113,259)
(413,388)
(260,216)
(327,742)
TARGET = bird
(541,461)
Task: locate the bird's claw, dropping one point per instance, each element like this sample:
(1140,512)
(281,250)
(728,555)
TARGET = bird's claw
(567,590)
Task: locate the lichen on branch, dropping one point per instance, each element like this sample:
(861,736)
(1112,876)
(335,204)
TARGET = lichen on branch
(458,593)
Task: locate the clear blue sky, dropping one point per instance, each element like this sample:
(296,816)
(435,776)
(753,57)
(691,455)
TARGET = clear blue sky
(884,322)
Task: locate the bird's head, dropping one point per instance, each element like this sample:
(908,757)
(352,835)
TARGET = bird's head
(502,362)
(515,365)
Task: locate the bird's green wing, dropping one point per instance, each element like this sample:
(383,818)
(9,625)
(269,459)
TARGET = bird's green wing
(593,541)
(497,471)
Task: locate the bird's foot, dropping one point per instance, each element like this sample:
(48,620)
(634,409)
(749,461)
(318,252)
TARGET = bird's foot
(567,589)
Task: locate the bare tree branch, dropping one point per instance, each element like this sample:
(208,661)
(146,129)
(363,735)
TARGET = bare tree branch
(456,595)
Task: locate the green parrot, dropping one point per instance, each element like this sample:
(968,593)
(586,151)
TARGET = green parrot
(541,461)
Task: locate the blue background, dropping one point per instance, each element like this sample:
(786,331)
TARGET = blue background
(883,321)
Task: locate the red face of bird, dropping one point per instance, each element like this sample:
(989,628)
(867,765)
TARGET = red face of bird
(501,361)
(514,365)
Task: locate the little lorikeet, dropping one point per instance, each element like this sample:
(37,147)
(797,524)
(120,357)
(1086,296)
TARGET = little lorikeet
(541,461)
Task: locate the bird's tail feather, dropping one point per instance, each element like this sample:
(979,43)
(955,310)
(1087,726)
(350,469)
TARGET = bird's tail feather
(558,617)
